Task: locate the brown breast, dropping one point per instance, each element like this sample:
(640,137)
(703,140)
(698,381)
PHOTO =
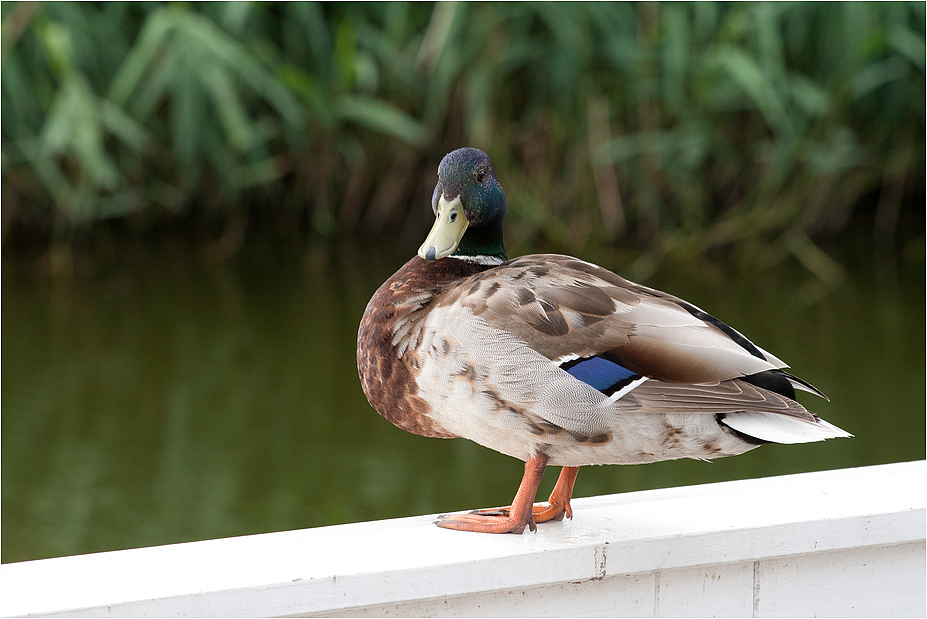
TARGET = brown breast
(385,368)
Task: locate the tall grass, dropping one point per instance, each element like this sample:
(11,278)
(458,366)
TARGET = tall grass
(676,126)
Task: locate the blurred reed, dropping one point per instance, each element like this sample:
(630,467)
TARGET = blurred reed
(674,127)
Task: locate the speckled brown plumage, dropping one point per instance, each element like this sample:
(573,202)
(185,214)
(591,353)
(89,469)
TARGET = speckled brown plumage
(398,307)
(561,306)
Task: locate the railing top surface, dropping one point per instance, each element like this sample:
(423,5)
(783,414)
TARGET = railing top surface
(613,534)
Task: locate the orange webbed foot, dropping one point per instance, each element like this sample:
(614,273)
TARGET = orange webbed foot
(554,511)
(494,521)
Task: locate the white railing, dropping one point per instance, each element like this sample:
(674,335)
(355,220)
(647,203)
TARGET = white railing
(835,543)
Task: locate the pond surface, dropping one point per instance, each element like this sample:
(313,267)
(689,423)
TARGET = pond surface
(157,400)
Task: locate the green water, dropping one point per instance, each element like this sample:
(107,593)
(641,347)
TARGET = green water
(155,400)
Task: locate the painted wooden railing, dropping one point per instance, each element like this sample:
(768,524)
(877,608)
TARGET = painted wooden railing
(835,543)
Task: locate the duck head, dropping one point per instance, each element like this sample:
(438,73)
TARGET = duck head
(469,207)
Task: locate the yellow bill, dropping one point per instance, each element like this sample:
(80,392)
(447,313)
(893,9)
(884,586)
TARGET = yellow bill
(445,235)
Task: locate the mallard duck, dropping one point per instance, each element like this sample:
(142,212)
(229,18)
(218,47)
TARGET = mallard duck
(556,361)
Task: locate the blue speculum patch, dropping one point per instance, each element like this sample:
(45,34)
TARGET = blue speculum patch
(598,372)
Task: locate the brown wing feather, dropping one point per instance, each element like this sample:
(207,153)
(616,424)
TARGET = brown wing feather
(730,396)
(564,308)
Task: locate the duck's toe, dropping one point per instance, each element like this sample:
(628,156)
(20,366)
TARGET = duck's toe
(554,511)
(493,511)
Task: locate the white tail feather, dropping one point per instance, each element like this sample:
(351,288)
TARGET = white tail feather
(781,428)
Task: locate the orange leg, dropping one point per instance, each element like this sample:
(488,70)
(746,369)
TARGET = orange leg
(511,520)
(559,501)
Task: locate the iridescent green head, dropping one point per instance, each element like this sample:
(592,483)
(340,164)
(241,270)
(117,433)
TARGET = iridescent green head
(469,207)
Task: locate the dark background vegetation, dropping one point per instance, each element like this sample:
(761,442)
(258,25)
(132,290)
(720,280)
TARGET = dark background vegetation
(758,128)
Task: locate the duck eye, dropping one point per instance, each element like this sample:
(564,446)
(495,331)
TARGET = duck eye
(480,175)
